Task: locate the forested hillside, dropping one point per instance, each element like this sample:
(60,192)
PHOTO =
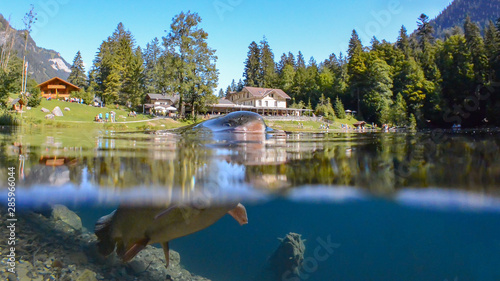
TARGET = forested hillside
(480,12)
(418,80)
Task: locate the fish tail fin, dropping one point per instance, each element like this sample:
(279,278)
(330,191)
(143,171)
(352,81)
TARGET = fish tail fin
(105,244)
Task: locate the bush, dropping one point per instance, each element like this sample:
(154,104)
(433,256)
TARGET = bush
(35,97)
(9,119)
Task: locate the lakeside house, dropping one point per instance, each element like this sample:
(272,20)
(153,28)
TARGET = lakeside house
(57,88)
(265,101)
(160,103)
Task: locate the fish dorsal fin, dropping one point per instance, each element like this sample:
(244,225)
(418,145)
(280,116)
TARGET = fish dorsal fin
(135,249)
(239,214)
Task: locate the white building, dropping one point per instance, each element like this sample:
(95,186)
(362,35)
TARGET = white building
(261,98)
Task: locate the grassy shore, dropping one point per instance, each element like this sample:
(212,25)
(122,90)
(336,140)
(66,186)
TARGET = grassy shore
(82,117)
(307,126)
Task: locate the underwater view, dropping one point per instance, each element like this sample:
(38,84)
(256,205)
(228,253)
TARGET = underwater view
(330,205)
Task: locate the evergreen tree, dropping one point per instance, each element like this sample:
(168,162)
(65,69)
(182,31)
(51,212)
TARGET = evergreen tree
(287,78)
(233,86)
(112,65)
(152,67)
(399,111)
(424,32)
(77,76)
(221,94)
(134,88)
(251,73)
(376,101)
(403,42)
(301,63)
(356,69)
(195,73)
(240,86)
(267,65)
(339,109)
(475,44)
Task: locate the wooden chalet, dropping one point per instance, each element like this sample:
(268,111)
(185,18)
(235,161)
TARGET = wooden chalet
(57,88)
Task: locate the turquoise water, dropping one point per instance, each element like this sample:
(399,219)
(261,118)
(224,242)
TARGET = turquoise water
(371,206)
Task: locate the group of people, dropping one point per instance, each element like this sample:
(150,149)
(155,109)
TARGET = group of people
(132,114)
(77,100)
(108,117)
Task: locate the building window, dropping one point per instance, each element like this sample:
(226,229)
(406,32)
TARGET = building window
(267,103)
(260,103)
(276,103)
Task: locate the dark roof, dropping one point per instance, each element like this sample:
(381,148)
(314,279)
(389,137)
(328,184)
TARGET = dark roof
(14,101)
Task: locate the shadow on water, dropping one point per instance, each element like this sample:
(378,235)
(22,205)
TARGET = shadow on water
(370,206)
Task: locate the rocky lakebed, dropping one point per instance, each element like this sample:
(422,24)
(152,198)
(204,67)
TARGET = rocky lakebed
(53,245)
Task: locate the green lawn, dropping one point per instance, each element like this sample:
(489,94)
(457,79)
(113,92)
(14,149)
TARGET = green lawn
(308,125)
(79,112)
(82,116)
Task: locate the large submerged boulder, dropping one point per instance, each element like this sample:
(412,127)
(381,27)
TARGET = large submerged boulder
(288,257)
(61,212)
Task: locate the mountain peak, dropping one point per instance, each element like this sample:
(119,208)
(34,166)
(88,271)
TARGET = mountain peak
(43,63)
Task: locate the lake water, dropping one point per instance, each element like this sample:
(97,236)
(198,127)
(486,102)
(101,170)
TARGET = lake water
(371,205)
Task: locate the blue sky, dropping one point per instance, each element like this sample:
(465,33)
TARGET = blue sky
(317,28)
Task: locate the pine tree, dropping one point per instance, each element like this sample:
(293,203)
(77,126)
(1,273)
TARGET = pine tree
(252,66)
(233,86)
(339,109)
(424,32)
(399,111)
(134,87)
(267,67)
(301,63)
(239,87)
(112,65)
(77,75)
(152,68)
(356,69)
(475,44)
(403,42)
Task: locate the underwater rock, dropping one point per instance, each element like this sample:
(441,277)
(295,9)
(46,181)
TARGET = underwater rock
(57,111)
(87,275)
(289,256)
(61,212)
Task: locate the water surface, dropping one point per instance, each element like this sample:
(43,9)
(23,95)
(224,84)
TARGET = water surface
(393,206)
